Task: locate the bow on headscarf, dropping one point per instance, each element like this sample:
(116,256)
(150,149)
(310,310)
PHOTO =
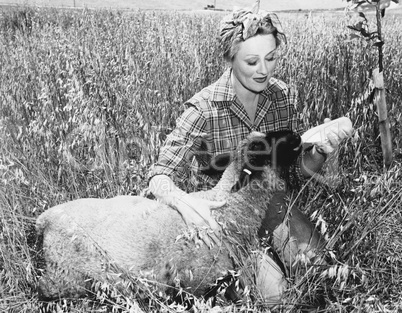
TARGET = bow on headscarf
(246,22)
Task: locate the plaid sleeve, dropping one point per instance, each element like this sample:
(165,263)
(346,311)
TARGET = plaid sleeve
(180,145)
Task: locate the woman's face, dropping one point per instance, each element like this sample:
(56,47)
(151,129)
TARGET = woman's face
(254,63)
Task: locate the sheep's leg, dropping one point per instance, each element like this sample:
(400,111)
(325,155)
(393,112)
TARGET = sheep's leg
(67,271)
(60,278)
(56,284)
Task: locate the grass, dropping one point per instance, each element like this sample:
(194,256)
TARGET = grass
(182,4)
(88,98)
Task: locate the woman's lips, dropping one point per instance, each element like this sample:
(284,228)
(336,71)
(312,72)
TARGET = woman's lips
(260,79)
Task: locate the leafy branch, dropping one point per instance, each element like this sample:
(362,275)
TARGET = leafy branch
(361,29)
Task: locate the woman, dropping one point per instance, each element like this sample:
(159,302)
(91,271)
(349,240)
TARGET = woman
(245,98)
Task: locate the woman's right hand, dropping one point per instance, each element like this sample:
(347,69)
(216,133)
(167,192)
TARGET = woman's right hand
(196,212)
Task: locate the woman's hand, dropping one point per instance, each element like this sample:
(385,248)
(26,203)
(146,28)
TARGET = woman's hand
(196,212)
(313,161)
(334,139)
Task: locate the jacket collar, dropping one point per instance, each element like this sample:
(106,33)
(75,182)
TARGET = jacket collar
(222,89)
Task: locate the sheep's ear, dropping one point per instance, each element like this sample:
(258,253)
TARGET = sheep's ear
(244,179)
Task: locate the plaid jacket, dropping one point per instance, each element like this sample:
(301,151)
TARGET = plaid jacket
(214,122)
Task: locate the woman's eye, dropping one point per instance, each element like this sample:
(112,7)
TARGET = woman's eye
(270,59)
(252,63)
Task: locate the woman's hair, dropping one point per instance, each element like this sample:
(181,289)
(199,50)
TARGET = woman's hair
(245,23)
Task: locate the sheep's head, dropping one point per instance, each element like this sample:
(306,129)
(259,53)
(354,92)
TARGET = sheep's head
(278,149)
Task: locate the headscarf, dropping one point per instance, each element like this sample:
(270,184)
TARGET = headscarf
(244,23)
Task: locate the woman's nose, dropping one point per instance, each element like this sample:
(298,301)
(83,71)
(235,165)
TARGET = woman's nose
(262,69)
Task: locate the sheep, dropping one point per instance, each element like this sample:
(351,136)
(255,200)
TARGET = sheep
(86,239)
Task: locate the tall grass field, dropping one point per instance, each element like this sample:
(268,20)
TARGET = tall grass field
(88,96)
